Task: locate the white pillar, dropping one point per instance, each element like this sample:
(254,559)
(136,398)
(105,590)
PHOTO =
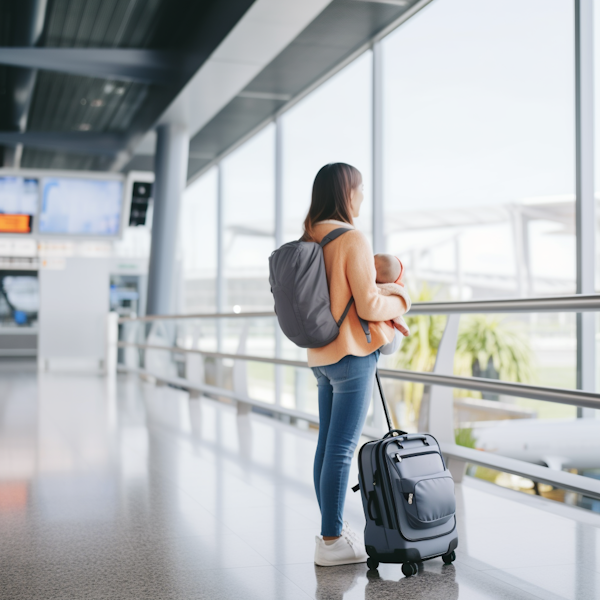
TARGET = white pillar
(584,189)
(171,163)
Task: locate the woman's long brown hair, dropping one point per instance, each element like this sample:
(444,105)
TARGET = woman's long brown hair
(332,196)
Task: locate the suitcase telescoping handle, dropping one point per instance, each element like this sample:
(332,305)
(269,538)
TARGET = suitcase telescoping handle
(391,430)
(407,437)
(385,408)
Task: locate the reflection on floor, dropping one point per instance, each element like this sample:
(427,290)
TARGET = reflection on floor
(128,491)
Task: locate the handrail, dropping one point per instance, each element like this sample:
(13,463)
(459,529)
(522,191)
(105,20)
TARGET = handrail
(198,316)
(574,303)
(479,384)
(562,479)
(521,390)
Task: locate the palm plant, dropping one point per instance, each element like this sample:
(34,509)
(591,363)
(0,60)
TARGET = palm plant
(419,349)
(489,346)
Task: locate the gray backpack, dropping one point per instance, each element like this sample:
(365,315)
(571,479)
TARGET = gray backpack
(301,292)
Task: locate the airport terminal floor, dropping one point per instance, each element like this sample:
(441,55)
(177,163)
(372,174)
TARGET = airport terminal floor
(122,489)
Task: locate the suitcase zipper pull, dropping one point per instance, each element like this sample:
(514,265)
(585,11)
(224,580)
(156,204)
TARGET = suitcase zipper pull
(410,498)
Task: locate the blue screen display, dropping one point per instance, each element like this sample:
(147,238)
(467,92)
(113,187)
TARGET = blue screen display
(18,195)
(81,206)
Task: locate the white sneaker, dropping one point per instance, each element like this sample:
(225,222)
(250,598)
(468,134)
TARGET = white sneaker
(346,550)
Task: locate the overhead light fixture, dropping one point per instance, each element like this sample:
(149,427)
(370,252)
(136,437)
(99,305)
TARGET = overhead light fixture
(120,91)
(83,102)
(109,88)
(85,127)
(97,103)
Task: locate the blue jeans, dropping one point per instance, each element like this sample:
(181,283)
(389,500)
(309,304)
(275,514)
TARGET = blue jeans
(345,391)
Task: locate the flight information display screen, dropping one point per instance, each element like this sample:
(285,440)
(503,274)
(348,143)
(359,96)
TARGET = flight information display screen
(18,204)
(81,206)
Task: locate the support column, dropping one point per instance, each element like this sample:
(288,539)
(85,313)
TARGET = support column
(170,169)
(584,189)
(220,242)
(279,373)
(220,283)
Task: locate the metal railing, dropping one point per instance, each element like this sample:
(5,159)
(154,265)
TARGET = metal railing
(458,456)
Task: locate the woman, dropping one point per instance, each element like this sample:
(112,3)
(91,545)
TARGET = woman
(345,368)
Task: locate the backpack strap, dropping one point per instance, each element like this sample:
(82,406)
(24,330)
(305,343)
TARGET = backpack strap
(334,235)
(350,303)
(364,324)
(365,327)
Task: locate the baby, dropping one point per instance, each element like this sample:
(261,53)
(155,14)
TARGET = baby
(389,271)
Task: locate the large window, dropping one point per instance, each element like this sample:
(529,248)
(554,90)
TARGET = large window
(479,152)
(199,244)
(479,179)
(248,195)
(332,124)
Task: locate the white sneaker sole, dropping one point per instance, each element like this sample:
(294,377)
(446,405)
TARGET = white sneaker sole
(339,563)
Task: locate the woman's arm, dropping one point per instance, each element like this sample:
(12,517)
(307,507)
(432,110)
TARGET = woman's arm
(360,270)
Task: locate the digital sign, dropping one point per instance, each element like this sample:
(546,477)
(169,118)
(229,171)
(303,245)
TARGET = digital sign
(18,203)
(15,223)
(81,206)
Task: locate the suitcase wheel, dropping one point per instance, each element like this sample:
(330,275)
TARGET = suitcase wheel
(372,563)
(449,558)
(409,569)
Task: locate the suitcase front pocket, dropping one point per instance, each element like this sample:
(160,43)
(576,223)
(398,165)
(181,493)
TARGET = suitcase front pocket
(429,500)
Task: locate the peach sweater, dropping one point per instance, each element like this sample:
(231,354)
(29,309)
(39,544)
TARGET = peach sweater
(351,272)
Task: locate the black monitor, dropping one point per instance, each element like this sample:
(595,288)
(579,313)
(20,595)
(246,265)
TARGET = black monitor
(140,199)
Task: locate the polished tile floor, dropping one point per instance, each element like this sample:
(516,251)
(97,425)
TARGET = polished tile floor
(124,490)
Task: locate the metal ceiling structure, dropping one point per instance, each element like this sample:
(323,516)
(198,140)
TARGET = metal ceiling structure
(81,81)
(338,33)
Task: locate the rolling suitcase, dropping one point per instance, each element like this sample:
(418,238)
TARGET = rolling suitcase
(408,499)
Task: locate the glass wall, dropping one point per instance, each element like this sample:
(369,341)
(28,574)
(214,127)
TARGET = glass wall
(332,124)
(479,147)
(199,244)
(479,183)
(248,195)
(478,199)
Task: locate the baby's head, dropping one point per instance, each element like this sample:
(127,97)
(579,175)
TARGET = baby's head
(387,267)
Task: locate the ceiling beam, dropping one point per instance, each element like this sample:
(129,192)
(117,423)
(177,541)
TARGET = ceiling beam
(76,142)
(144,66)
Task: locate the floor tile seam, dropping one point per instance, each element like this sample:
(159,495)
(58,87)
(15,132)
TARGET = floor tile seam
(229,473)
(276,567)
(579,566)
(546,505)
(487,578)
(230,534)
(543,594)
(177,435)
(487,569)
(302,562)
(178,487)
(262,554)
(256,487)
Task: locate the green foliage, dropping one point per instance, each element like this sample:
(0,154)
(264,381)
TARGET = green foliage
(464,437)
(419,349)
(482,338)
